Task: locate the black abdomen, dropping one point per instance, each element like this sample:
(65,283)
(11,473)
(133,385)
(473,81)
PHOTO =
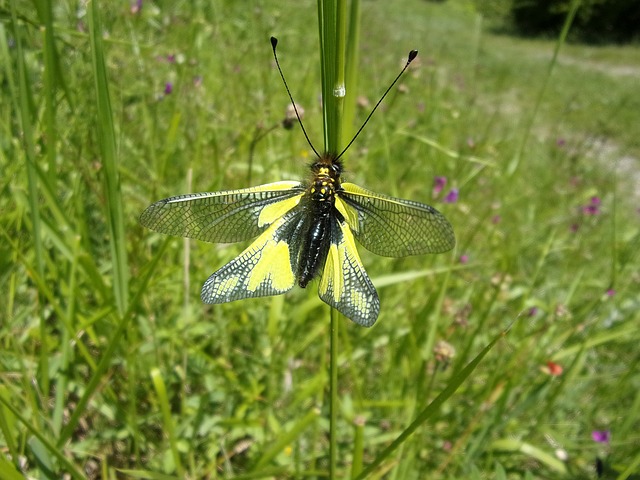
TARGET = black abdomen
(317,236)
(315,247)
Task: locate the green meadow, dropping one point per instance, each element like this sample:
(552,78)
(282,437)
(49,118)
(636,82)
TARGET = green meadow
(110,365)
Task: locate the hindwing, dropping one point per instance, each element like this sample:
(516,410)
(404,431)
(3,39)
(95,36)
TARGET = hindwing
(393,227)
(223,217)
(266,267)
(344,284)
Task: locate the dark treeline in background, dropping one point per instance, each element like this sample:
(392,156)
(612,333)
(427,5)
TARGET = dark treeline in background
(597,21)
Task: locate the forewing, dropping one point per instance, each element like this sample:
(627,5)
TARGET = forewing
(266,267)
(344,284)
(393,227)
(225,217)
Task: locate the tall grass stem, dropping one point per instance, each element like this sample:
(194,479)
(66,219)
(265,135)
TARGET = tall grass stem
(432,408)
(107,145)
(515,161)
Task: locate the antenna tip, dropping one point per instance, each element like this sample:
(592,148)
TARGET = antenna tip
(274,42)
(412,54)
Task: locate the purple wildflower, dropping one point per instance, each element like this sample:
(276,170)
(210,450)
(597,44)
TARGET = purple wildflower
(560,142)
(452,196)
(611,292)
(136,7)
(168,88)
(438,185)
(601,436)
(593,208)
(533,311)
(464,258)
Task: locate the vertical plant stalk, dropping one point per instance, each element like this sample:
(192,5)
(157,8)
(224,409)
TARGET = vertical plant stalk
(515,161)
(333,392)
(107,145)
(332,20)
(352,60)
(24,106)
(167,419)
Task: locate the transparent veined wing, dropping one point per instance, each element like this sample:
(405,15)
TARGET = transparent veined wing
(393,227)
(224,217)
(266,267)
(344,284)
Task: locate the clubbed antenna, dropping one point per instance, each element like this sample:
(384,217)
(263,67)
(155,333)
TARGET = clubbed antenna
(274,43)
(412,55)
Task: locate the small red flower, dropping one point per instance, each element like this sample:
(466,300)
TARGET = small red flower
(553,369)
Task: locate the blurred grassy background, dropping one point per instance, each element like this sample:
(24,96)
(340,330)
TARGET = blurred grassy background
(109,361)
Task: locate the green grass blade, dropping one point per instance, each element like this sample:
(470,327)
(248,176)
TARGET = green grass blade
(286,438)
(107,357)
(168,425)
(8,470)
(107,146)
(25,108)
(510,445)
(333,393)
(351,73)
(358,447)
(52,450)
(515,161)
(432,408)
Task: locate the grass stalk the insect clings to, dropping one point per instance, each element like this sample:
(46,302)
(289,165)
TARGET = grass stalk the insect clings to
(332,19)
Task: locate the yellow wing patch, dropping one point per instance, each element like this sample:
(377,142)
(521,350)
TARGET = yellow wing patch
(269,267)
(349,213)
(271,213)
(344,283)
(264,268)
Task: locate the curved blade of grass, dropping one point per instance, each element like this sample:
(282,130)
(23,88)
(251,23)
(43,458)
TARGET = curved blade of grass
(432,408)
(631,469)
(163,400)
(46,464)
(105,361)
(66,464)
(515,161)
(410,275)
(8,470)
(510,445)
(287,438)
(358,448)
(148,475)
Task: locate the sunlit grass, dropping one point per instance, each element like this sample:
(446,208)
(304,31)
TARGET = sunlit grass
(241,388)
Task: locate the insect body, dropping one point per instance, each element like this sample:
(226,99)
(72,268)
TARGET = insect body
(304,231)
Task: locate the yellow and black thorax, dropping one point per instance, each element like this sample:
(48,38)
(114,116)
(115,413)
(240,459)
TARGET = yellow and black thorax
(320,200)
